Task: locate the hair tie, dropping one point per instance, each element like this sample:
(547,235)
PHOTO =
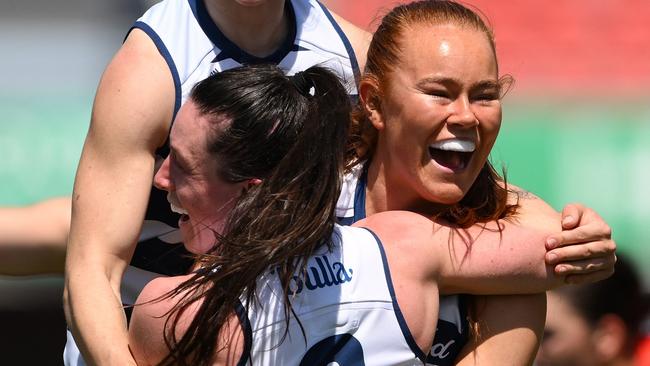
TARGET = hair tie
(304,84)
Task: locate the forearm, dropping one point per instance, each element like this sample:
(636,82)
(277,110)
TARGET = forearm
(505,340)
(33,238)
(96,318)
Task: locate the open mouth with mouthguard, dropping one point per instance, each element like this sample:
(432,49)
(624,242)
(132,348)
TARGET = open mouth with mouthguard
(453,154)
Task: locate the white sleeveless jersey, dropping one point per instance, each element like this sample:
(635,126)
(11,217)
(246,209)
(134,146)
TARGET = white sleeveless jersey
(194,48)
(346,305)
(452,328)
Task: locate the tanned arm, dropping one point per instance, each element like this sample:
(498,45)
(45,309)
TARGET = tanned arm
(505,340)
(131,117)
(32,239)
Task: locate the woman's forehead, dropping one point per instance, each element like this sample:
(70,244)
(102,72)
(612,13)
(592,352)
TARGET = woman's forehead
(446,49)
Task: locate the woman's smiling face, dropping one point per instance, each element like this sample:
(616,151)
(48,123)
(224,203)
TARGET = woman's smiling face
(439,113)
(190,175)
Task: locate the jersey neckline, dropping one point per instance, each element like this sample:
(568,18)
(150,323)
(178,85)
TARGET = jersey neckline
(229,50)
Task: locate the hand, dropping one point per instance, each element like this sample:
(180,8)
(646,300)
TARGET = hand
(584,251)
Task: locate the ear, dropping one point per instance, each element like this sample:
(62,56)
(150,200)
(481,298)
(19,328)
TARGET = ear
(371,102)
(610,337)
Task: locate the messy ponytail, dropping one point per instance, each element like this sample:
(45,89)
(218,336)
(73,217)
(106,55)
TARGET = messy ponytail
(289,132)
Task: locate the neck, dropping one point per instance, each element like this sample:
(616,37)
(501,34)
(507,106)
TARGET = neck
(384,194)
(258,29)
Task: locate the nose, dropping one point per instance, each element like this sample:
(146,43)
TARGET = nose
(162,179)
(461,113)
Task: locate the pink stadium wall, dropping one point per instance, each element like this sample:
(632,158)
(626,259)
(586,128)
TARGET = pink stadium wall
(574,46)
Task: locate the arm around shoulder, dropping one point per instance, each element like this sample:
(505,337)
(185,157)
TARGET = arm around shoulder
(494,258)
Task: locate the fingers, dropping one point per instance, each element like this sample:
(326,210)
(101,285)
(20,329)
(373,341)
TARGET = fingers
(584,252)
(586,266)
(571,215)
(586,271)
(583,234)
(588,277)
(591,228)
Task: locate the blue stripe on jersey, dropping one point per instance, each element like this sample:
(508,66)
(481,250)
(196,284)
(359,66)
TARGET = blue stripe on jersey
(345,221)
(360,196)
(248,333)
(230,50)
(346,42)
(168,58)
(398,313)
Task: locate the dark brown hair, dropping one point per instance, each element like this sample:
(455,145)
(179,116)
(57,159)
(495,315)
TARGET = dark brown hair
(290,132)
(486,199)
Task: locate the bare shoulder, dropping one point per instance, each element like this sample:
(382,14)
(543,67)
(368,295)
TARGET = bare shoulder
(409,237)
(155,289)
(534,212)
(149,318)
(392,223)
(359,38)
(135,97)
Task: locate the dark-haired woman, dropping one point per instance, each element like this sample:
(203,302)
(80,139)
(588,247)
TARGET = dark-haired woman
(255,167)
(493,258)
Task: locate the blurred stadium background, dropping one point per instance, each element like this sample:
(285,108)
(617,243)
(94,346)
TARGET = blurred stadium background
(576,124)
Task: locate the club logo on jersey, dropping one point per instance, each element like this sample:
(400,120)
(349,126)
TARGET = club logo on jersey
(319,275)
(446,345)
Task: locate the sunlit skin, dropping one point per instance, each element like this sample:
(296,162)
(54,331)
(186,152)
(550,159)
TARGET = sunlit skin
(444,87)
(190,176)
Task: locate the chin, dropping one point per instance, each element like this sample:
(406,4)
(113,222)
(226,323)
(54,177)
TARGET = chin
(447,194)
(251,3)
(197,248)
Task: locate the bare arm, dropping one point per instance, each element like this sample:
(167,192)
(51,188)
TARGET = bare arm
(583,250)
(482,259)
(147,324)
(131,115)
(505,340)
(33,238)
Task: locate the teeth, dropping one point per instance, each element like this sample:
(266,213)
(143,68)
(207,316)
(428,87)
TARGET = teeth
(174,205)
(454,145)
(177,209)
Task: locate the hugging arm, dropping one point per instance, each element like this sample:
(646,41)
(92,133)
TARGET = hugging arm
(516,260)
(584,251)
